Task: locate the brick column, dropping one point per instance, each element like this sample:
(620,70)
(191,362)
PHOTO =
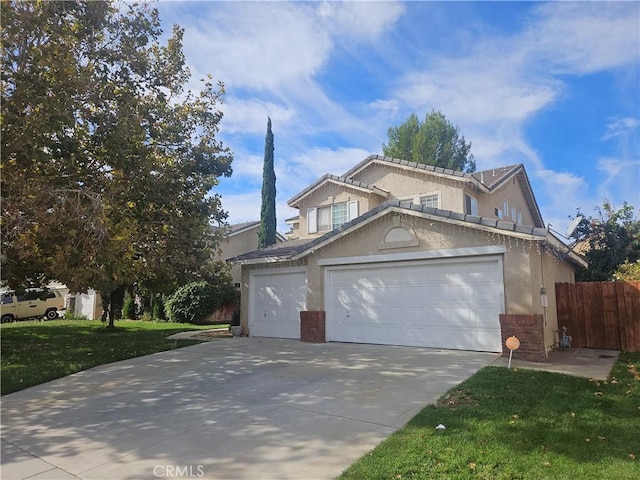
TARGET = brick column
(530,331)
(312,326)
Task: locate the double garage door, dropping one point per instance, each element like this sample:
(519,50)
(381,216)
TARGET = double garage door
(432,303)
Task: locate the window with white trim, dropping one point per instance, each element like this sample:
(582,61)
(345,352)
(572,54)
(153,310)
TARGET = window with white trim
(431,200)
(326,218)
(339,215)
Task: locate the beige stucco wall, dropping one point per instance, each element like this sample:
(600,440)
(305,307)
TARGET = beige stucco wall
(512,193)
(238,244)
(548,270)
(406,184)
(331,193)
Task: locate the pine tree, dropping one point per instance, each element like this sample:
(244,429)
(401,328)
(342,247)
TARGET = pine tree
(267,232)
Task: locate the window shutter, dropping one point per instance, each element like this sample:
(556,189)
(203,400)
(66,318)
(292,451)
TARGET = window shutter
(312,220)
(353,209)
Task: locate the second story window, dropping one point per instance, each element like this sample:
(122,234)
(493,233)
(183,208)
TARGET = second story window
(339,214)
(470,205)
(323,219)
(430,201)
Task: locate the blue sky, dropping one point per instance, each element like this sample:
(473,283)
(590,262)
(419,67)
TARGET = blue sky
(555,86)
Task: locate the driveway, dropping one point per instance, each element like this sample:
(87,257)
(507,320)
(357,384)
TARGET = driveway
(246,408)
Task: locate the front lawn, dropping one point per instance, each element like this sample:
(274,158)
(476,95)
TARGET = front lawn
(35,352)
(520,424)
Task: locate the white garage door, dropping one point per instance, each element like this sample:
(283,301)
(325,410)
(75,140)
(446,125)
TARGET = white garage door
(276,298)
(432,303)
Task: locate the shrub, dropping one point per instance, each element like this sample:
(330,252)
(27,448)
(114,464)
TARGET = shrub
(157,312)
(129,308)
(69,315)
(194,301)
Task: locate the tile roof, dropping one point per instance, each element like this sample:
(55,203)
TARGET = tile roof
(406,163)
(336,179)
(487,180)
(493,177)
(291,248)
(236,227)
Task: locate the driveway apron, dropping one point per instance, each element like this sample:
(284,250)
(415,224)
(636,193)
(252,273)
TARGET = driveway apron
(242,408)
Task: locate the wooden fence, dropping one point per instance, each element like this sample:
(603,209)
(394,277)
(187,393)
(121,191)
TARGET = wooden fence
(600,314)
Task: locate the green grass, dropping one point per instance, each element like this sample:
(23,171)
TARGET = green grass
(36,352)
(520,424)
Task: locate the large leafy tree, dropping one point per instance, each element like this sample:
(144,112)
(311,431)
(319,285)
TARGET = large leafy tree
(267,231)
(107,163)
(610,243)
(436,141)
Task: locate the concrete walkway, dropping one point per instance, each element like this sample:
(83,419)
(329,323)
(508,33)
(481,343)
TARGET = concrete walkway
(583,362)
(232,408)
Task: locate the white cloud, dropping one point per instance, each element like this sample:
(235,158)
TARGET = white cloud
(584,37)
(250,116)
(268,45)
(260,45)
(491,105)
(242,207)
(359,19)
(621,127)
(315,162)
(248,166)
(621,180)
(559,194)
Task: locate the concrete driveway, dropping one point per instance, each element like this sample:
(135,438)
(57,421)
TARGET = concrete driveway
(246,408)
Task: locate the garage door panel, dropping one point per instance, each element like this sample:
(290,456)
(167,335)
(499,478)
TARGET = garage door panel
(461,295)
(275,304)
(486,295)
(488,340)
(462,318)
(440,304)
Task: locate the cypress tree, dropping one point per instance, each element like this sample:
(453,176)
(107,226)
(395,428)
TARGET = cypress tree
(267,231)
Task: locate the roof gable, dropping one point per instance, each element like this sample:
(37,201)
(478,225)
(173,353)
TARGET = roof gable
(487,181)
(238,228)
(341,181)
(420,167)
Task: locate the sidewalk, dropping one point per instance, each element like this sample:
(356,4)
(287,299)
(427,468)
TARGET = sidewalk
(582,362)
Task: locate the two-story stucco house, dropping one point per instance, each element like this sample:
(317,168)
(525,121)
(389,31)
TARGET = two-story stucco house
(394,252)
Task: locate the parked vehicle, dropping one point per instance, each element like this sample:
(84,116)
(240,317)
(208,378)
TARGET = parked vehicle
(34,303)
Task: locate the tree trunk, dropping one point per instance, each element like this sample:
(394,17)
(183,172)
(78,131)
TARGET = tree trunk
(116,300)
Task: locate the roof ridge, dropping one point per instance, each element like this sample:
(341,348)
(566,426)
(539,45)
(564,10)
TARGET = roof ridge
(407,163)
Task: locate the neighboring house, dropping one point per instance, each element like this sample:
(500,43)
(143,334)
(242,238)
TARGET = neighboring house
(394,252)
(238,239)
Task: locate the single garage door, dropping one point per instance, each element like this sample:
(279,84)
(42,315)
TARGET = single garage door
(276,298)
(432,303)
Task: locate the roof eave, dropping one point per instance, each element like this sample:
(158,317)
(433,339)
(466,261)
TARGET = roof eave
(406,165)
(328,178)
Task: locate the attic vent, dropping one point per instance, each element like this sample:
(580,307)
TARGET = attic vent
(398,234)
(398,237)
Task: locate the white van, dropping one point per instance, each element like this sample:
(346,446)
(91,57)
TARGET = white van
(34,303)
